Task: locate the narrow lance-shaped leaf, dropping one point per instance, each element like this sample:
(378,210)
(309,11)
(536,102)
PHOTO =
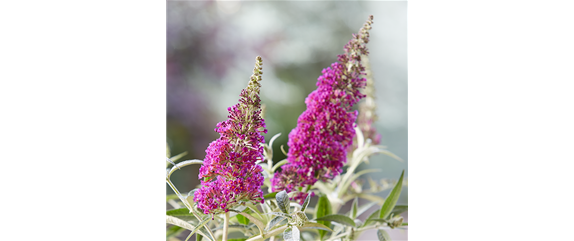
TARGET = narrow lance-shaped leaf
(354,208)
(242,219)
(373,215)
(338,218)
(319,226)
(383,235)
(274,222)
(392,198)
(400,209)
(200,225)
(269,195)
(179,222)
(182,164)
(283,201)
(323,208)
(306,202)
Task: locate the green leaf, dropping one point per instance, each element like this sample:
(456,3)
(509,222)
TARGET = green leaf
(392,198)
(364,208)
(288,234)
(173,231)
(283,150)
(256,221)
(179,212)
(279,214)
(383,235)
(405,224)
(200,225)
(306,202)
(323,208)
(178,222)
(242,219)
(398,209)
(354,208)
(338,218)
(270,195)
(317,225)
(283,201)
(373,215)
(274,221)
(171,196)
(377,220)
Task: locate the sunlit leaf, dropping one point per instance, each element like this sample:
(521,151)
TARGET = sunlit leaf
(364,208)
(269,195)
(338,218)
(392,198)
(242,219)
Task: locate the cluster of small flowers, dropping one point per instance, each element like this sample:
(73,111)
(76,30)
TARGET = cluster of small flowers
(230,171)
(318,145)
(367,108)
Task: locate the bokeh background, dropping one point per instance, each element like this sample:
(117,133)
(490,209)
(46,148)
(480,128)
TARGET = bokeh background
(211,49)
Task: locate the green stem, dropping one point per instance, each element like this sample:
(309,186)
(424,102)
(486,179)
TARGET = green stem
(225,226)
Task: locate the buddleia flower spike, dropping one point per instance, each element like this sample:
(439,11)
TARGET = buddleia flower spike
(318,145)
(230,173)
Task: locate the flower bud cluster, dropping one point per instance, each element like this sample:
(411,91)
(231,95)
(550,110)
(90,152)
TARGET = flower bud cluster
(230,171)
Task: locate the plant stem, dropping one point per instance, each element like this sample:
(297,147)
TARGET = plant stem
(225,226)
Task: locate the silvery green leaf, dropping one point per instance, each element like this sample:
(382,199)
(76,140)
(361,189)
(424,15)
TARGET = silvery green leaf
(354,208)
(274,221)
(383,235)
(279,214)
(338,218)
(178,222)
(398,209)
(256,221)
(283,201)
(288,234)
(365,208)
(306,202)
(392,198)
(373,215)
(322,227)
(296,234)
